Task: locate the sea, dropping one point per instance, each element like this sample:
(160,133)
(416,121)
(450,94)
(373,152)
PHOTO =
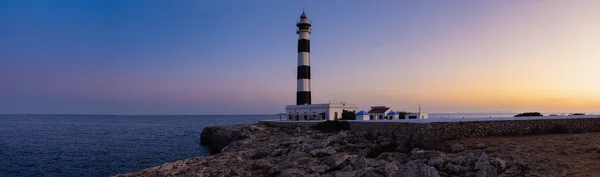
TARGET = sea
(106,145)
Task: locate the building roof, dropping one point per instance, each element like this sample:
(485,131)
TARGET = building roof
(378,109)
(392,113)
(361,112)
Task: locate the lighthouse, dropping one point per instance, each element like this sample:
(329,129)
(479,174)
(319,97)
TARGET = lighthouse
(303,86)
(304,109)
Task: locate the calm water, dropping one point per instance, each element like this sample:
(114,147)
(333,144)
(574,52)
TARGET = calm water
(100,145)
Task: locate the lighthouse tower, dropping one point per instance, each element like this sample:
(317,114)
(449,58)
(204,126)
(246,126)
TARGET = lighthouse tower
(304,109)
(303,88)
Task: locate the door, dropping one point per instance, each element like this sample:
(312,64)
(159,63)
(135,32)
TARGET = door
(335,115)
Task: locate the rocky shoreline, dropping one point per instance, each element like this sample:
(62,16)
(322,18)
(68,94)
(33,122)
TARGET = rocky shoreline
(259,150)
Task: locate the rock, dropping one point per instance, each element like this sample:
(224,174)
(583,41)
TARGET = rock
(347,168)
(319,168)
(388,169)
(480,146)
(455,169)
(498,163)
(481,161)
(337,160)
(297,154)
(394,156)
(292,172)
(487,171)
(345,173)
(323,152)
(436,162)
(298,130)
(216,138)
(367,172)
(419,170)
(457,147)
(324,143)
(464,160)
(358,162)
(421,154)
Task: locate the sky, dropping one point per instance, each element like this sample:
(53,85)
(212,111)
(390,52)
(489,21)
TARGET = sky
(240,57)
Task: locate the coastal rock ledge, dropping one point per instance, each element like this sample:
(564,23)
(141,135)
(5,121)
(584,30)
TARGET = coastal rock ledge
(262,150)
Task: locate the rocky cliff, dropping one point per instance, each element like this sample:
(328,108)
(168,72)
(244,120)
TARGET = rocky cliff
(259,150)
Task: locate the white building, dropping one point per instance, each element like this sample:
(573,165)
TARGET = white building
(362,115)
(420,115)
(378,112)
(392,115)
(328,111)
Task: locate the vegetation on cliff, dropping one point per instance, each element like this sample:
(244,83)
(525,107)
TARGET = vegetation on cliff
(529,114)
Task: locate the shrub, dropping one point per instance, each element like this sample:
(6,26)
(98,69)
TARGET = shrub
(348,115)
(529,114)
(332,126)
(557,129)
(402,114)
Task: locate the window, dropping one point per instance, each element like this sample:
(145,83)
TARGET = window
(305,117)
(290,117)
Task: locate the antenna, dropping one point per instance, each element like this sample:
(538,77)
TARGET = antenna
(419,108)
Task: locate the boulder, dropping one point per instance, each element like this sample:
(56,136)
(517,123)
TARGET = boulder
(388,169)
(367,172)
(455,169)
(322,152)
(216,138)
(422,154)
(437,162)
(412,169)
(487,171)
(358,162)
(319,168)
(344,173)
(464,160)
(498,163)
(293,172)
(337,161)
(481,161)
(457,147)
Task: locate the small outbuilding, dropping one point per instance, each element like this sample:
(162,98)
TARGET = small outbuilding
(392,115)
(378,112)
(362,115)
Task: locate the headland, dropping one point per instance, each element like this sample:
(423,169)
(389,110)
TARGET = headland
(548,146)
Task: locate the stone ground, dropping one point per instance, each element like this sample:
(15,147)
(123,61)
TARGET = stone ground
(543,155)
(258,150)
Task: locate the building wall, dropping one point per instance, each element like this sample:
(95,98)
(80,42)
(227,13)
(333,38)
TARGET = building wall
(316,110)
(362,117)
(308,112)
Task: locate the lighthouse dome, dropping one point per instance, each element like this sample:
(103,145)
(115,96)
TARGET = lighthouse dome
(361,112)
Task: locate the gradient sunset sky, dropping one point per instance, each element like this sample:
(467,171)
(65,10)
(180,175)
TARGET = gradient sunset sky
(240,57)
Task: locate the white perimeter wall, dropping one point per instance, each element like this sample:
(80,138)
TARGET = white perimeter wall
(331,112)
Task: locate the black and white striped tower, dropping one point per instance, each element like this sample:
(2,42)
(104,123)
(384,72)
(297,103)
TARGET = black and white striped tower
(303,94)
